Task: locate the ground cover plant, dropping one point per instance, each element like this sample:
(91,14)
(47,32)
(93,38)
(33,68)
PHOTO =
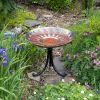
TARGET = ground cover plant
(60,91)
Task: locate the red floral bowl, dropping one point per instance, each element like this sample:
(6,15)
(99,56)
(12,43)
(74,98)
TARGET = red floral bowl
(49,36)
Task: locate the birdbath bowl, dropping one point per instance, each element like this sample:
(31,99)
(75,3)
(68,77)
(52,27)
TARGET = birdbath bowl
(49,37)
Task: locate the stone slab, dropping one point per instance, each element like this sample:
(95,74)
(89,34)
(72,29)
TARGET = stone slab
(32,23)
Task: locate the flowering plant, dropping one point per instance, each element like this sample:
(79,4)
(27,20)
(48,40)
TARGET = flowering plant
(83,54)
(86,66)
(63,91)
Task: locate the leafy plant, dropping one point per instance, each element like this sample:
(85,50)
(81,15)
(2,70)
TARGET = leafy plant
(16,54)
(58,4)
(85,39)
(63,91)
(53,4)
(6,8)
(18,16)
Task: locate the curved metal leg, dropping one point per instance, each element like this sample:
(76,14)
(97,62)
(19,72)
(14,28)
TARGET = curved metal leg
(51,63)
(39,73)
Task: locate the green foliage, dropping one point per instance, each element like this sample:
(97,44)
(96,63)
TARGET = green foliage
(53,4)
(6,7)
(41,2)
(11,73)
(87,4)
(84,68)
(86,38)
(18,56)
(63,91)
(18,16)
(58,4)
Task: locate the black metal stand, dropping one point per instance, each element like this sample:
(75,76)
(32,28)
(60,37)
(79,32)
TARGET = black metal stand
(50,62)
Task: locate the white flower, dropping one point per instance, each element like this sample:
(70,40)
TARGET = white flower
(46,98)
(63,80)
(82,92)
(40,93)
(58,98)
(73,80)
(34,92)
(91,95)
(62,98)
(79,83)
(84,98)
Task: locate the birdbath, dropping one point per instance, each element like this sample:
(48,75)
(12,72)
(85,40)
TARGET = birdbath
(49,38)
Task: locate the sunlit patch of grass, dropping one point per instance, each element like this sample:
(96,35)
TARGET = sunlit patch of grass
(19,16)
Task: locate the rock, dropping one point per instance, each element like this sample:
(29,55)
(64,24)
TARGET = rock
(37,78)
(60,66)
(32,23)
(97,3)
(8,34)
(17,29)
(48,16)
(69,79)
(51,79)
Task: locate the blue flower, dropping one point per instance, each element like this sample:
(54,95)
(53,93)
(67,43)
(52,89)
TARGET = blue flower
(4,62)
(2,50)
(13,45)
(20,48)
(9,34)
(4,56)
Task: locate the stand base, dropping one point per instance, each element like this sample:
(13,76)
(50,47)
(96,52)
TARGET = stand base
(51,63)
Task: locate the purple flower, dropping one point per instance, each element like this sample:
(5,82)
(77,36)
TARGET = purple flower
(4,56)
(87,86)
(4,62)
(93,55)
(2,50)
(86,33)
(13,45)
(97,48)
(96,62)
(9,34)
(20,47)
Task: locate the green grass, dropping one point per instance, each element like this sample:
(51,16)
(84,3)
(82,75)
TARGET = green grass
(91,24)
(19,15)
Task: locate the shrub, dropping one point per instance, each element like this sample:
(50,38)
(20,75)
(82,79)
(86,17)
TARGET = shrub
(53,4)
(58,4)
